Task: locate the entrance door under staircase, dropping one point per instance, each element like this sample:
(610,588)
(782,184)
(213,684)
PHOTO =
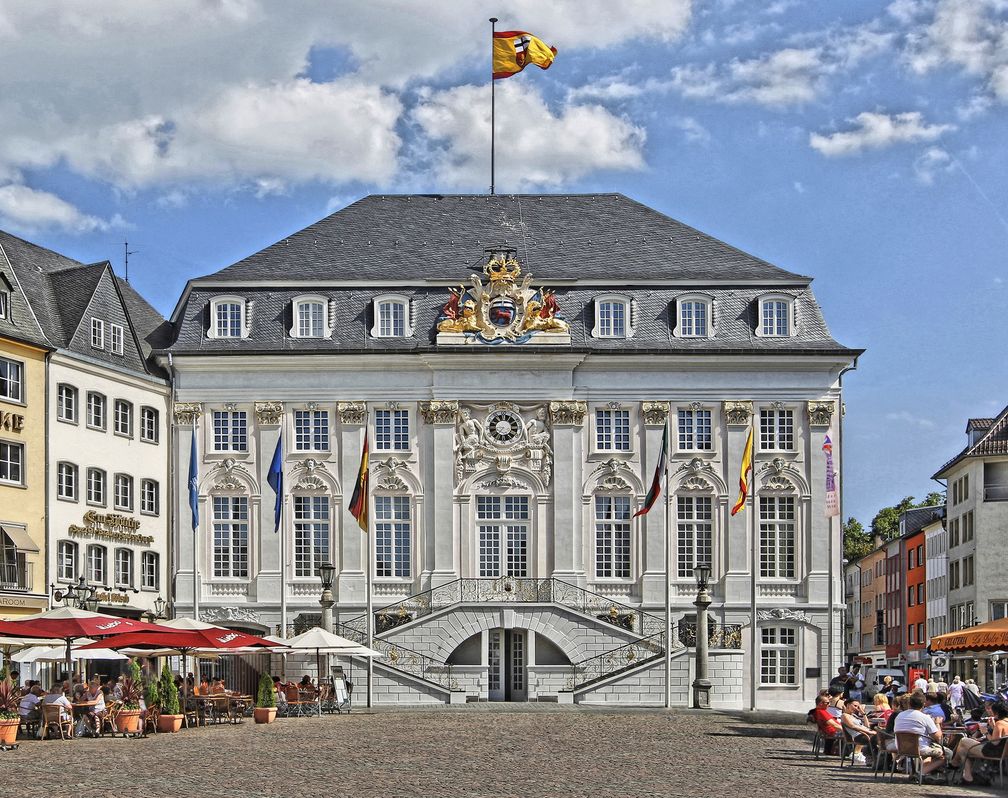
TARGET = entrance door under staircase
(507,653)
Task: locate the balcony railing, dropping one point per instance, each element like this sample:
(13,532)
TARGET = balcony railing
(15,577)
(996,493)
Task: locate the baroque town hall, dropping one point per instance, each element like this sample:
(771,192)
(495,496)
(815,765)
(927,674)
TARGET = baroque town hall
(513,362)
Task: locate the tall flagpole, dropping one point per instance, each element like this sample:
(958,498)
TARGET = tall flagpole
(754,652)
(283,555)
(668,579)
(493,85)
(367,584)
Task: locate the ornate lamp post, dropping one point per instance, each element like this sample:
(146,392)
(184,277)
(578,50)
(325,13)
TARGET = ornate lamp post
(158,611)
(79,595)
(326,570)
(701,684)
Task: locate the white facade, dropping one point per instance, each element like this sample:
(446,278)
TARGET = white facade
(108,482)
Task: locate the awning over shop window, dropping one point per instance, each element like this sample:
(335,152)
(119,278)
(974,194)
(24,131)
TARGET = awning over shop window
(20,538)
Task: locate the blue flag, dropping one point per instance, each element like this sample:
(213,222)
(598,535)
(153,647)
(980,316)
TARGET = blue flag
(193,483)
(275,480)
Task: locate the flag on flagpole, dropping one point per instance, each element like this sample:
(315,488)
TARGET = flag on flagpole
(832,505)
(275,479)
(359,500)
(513,50)
(655,490)
(745,475)
(194,482)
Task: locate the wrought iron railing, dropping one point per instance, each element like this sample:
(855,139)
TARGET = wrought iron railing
(15,576)
(718,635)
(405,659)
(512,589)
(616,660)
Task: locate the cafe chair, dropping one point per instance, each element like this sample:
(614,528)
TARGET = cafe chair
(908,750)
(53,715)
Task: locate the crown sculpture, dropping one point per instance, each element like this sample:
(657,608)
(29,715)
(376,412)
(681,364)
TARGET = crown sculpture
(504,311)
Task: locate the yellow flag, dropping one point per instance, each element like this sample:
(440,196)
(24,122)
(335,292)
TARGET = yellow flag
(513,50)
(745,475)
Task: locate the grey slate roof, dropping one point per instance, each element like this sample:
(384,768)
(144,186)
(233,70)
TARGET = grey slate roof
(993,442)
(558,237)
(919,517)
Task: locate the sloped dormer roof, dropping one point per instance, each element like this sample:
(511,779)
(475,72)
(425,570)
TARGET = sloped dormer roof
(993,442)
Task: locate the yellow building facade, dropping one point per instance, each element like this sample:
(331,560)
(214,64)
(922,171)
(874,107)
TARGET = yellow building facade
(23,589)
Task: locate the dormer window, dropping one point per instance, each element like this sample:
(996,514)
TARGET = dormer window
(228,318)
(97,333)
(776,316)
(613,317)
(311,317)
(392,317)
(694,317)
(116,339)
(4,303)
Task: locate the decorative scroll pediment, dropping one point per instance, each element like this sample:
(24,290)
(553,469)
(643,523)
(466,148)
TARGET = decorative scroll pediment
(783,614)
(309,476)
(231,476)
(389,475)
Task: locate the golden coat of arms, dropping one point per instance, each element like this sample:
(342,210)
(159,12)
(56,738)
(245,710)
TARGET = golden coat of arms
(504,310)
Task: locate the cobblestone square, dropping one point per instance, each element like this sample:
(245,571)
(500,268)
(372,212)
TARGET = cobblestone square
(475,750)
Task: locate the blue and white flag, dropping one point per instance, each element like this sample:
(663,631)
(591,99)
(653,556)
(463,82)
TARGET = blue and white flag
(194,483)
(275,480)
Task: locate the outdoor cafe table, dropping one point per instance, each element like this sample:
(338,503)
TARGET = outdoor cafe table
(230,703)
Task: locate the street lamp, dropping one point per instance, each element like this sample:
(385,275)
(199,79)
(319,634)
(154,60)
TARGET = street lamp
(701,684)
(326,570)
(157,612)
(79,595)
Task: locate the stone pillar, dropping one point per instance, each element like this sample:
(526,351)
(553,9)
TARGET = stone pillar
(567,420)
(739,569)
(652,554)
(186,417)
(440,416)
(817,536)
(272,575)
(353,544)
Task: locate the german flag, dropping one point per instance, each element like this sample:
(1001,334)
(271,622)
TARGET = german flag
(359,500)
(659,472)
(745,474)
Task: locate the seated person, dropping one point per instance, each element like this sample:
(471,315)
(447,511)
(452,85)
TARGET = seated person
(56,696)
(828,725)
(975,726)
(95,714)
(880,707)
(914,721)
(79,689)
(836,702)
(217,687)
(970,749)
(951,716)
(117,689)
(856,724)
(932,707)
(28,709)
(278,691)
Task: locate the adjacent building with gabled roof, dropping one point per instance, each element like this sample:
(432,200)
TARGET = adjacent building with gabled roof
(100,463)
(513,362)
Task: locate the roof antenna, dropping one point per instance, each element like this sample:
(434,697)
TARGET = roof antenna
(126,253)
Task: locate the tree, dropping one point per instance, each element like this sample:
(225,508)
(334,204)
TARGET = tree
(885,524)
(856,541)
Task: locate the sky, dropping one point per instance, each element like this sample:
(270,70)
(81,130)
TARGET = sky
(859,143)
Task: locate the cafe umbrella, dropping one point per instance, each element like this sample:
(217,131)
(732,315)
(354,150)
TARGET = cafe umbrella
(322,642)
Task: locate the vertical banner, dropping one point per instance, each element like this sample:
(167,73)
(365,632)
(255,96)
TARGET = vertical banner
(832,504)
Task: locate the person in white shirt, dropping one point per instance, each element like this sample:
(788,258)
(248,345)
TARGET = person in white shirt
(93,716)
(955,693)
(916,722)
(920,683)
(28,709)
(55,696)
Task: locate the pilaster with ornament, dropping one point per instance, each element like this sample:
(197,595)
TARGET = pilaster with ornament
(268,432)
(568,413)
(438,435)
(820,413)
(655,416)
(269,413)
(738,417)
(440,411)
(566,420)
(185,414)
(352,413)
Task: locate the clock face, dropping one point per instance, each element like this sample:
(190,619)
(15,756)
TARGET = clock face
(504,427)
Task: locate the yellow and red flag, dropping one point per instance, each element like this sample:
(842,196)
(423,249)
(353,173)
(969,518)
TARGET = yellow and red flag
(513,50)
(745,476)
(359,500)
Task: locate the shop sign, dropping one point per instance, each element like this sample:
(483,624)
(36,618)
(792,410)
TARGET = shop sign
(110,526)
(11,422)
(113,598)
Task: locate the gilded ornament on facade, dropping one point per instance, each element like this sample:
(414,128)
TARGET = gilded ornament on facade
(655,413)
(504,437)
(820,413)
(352,412)
(187,413)
(439,411)
(738,411)
(269,412)
(568,412)
(503,311)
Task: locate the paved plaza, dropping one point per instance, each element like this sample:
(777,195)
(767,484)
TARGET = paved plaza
(475,750)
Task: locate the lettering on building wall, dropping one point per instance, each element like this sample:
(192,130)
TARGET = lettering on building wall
(113,598)
(11,422)
(110,526)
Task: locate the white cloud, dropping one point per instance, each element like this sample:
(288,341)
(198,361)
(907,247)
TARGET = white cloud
(790,76)
(614,88)
(930,163)
(969,34)
(536,146)
(906,417)
(30,210)
(876,131)
(799,187)
(692,131)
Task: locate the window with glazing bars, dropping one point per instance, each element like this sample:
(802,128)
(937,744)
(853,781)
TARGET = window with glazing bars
(123,488)
(695,531)
(124,568)
(775,317)
(149,424)
(95,486)
(310,319)
(392,536)
(311,534)
(66,561)
(311,430)
(391,319)
(693,319)
(66,403)
(11,379)
(229,320)
(149,496)
(95,410)
(612,319)
(778,655)
(777,537)
(149,576)
(231,537)
(392,430)
(230,430)
(123,417)
(777,430)
(66,481)
(96,564)
(612,537)
(612,430)
(695,430)
(502,526)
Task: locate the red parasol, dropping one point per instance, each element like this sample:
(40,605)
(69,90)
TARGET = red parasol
(185,640)
(12,629)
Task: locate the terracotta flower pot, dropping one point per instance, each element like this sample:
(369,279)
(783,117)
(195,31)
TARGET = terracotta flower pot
(9,730)
(128,721)
(169,723)
(264,714)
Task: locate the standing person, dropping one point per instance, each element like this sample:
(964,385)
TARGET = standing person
(955,692)
(920,683)
(840,680)
(914,721)
(972,687)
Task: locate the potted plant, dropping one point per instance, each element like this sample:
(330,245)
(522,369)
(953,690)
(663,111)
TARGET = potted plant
(9,720)
(265,709)
(128,718)
(170,719)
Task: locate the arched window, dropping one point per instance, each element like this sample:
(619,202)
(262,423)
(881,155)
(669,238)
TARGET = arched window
(613,317)
(392,317)
(96,486)
(150,571)
(228,318)
(776,316)
(66,481)
(66,403)
(97,564)
(311,317)
(694,316)
(123,568)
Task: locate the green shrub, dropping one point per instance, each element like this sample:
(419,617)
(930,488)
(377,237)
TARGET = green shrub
(266,697)
(169,692)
